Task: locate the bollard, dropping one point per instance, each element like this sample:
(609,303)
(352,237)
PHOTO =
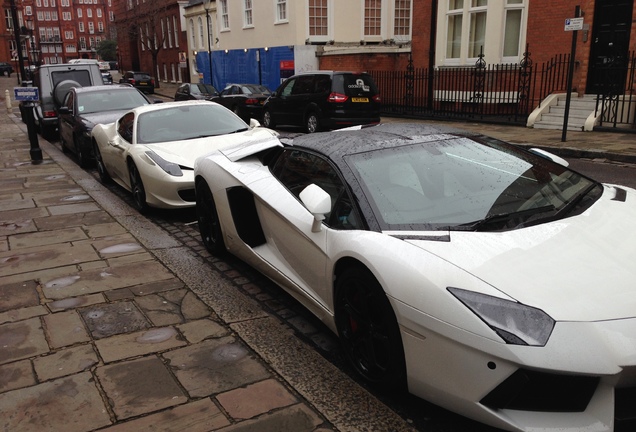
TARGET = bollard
(7,100)
(36,152)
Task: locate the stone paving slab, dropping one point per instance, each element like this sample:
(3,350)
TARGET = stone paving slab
(70,404)
(139,387)
(22,339)
(129,345)
(36,258)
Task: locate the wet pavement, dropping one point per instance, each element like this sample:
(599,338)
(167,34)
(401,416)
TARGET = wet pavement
(109,322)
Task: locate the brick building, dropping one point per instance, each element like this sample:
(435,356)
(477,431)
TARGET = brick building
(150,37)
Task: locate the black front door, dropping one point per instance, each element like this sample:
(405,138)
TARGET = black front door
(610,46)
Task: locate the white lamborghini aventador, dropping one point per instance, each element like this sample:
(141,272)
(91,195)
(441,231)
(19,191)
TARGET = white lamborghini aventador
(490,280)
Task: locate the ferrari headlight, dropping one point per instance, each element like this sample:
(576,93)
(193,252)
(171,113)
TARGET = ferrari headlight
(171,168)
(515,323)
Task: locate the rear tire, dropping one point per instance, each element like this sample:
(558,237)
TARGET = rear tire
(368,330)
(312,124)
(82,156)
(208,218)
(268,121)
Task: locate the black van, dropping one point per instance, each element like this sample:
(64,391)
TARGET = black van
(324,100)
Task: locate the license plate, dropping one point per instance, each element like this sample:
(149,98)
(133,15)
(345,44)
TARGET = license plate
(143,83)
(358,99)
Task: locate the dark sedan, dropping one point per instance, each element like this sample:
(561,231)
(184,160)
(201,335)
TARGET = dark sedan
(246,100)
(84,107)
(195,91)
(141,80)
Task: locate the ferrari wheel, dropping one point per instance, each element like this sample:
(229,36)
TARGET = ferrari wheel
(313,124)
(368,330)
(101,168)
(137,188)
(208,219)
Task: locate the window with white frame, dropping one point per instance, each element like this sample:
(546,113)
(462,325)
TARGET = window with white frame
(464,36)
(65,3)
(169,31)
(79,12)
(176,31)
(39,14)
(47,15)
(68,34)
(247,14)
(281,11)
(143,40)
(402,20)
(193,43)
(513,24)
(82,43)
(28,10)
(373,18)
(38,3)
(54,16)
(201,33)
(225,15)
(70,48)
(99,12)
(100,26)
(91,27)
(163,34)
(318,20)
(80,27)
(89,13)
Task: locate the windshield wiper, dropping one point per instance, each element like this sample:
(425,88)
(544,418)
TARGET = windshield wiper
(571,205)
(503,217)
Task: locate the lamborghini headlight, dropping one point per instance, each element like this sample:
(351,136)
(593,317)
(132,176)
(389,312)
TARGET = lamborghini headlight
(515,323)
(171,168)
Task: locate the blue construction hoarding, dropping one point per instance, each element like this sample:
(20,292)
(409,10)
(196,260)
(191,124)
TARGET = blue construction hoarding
(251,66)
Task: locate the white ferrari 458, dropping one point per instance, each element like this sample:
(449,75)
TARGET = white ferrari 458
(150,150)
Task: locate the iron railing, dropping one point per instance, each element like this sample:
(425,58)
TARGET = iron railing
(616,100)
(500,92)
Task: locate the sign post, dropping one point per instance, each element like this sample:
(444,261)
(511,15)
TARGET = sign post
(30,95)
(574,25)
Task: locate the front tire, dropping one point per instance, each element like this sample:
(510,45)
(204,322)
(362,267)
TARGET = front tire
(368,330)
(137,189)
(101,168)
(208,218)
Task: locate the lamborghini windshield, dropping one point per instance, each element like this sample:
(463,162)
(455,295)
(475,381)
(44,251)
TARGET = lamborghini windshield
(464,184)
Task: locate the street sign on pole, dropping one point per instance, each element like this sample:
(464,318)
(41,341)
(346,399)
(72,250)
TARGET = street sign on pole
(573,24)
(26,94)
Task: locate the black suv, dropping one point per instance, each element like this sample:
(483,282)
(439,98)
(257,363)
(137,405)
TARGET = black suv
(324,100)
(141,80)
(54,81)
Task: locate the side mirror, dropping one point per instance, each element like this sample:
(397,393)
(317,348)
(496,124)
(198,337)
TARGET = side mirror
(550,156)
(254,123)
(318,202)
(63,110)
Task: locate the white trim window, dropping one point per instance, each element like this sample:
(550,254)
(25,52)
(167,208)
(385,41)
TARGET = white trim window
(193,36)
(462,34)
(176,31)
(319,20)
(201,33)
(169,31)
(281,11)
(248,18)
(373,19)
(225,16)
(513,30)
(402,20)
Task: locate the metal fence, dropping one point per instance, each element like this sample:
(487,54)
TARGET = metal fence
(616,102)
(500,92)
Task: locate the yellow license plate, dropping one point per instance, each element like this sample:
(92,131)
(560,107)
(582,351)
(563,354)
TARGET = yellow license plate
(359,99)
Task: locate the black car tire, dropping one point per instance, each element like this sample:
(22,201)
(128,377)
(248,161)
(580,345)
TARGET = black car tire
(368,330)
(208,220)
(83,157)
(268,121)
(137,188)
(101,168)
(61,89)
(312,124)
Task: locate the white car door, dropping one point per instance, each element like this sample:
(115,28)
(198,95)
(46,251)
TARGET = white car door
(114,151)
